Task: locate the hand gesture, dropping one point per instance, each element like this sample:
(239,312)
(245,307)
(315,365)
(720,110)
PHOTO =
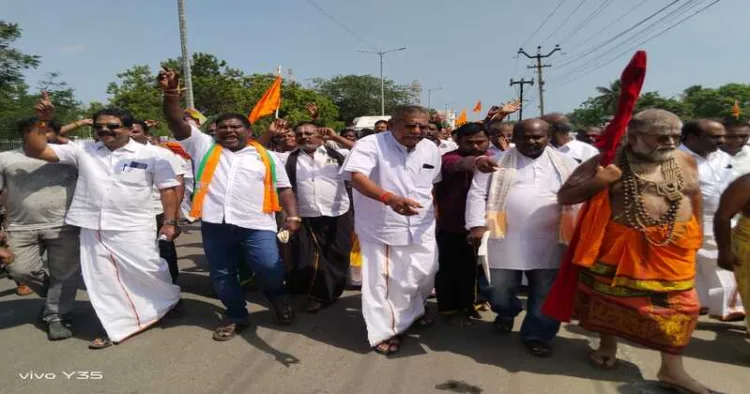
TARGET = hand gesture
(608,175)
(151,123)
(511,107)
(44,108)
(278,126)
(168,79)
(475,236)
(403,206)
(326,133)
(86,122)
(312,108)
(485,164)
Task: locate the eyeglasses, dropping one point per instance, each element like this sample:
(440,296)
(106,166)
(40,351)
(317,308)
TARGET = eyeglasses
(663,138)
(415,126)
(109,126)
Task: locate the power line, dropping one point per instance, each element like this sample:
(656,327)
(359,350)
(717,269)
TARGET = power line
(543,22)
(341,25)
(622,33)
(613,22)
(564,21)
(629,50)
(598,10)
(674,14)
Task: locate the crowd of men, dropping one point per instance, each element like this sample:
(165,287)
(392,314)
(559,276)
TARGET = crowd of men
(410,208)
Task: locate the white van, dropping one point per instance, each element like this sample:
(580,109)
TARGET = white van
(368,122)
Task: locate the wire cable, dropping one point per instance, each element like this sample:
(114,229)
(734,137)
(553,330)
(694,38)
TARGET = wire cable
(541,25)
(598,10)
(341,25)
(567,18)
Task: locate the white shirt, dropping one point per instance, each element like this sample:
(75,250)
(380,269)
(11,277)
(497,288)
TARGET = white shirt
(714,175)
(235,195)
(407,174)
(114,188)
(447,146)
(741,163)
(533,215)
(321,190)
(578,151)
(181,168)
(494,151)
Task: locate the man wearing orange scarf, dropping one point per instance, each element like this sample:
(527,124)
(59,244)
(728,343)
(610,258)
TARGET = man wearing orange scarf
(638,244)
(239,188)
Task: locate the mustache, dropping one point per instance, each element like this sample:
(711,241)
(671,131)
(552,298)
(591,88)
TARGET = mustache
(103,133)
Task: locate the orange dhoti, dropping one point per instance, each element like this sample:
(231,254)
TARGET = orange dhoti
(633,289)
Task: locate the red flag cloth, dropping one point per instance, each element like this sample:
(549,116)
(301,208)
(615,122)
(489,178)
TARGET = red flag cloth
(561,298)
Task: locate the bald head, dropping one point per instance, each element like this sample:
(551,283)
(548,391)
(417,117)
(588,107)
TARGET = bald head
(703,136)
(531,137)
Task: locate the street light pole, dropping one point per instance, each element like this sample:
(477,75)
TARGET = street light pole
(429,96)
(382,80)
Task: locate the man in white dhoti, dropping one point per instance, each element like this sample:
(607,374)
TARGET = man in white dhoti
(518,205)
(393,174)
(128,284)
(717,288)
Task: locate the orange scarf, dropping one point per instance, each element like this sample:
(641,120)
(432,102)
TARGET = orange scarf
(208,167)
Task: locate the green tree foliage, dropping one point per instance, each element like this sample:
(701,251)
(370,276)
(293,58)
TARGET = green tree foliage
(13,89)
(359,95)
(137,93)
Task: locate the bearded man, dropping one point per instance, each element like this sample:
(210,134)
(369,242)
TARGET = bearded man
(638,246)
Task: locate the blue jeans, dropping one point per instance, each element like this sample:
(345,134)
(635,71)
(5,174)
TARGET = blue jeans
(505,284)
(225,244)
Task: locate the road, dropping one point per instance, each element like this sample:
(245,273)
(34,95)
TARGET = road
(327,353)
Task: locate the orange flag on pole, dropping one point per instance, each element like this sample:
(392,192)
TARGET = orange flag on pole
(736,109)
(478,107)
(269,103)
(461,118)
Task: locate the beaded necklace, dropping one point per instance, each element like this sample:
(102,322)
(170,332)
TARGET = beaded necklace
(670,188)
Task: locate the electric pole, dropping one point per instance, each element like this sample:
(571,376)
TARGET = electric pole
(429,96)
(382,81)
(185,55)
(539,66)
(521,82)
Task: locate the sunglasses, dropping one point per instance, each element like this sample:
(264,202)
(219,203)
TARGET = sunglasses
(109,126)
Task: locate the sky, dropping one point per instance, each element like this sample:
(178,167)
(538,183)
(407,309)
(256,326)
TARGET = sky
(468,48)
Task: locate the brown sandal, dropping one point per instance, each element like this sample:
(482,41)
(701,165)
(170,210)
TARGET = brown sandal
(99,343)
(227,330)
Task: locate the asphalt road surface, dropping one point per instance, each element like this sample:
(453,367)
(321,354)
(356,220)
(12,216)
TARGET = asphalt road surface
(327,353)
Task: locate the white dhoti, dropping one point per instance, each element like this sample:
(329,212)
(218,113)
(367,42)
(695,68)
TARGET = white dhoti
(716,287)
(127,283)
(396,281)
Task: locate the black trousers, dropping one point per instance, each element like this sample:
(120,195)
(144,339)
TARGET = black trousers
(168,251)
(320,257)
(455,282)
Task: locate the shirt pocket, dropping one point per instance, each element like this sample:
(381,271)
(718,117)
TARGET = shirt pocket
(134,177)
(251,167)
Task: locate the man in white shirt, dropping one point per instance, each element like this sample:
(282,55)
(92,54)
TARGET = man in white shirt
(735,144)
(562,140)
(128,284)
(240,187)
(444,145)
(393,175)
(140,133)
(320,250)
(501,135)
(518,205)
(717,288)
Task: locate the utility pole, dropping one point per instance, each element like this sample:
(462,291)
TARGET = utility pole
(521,82)
(382,81)
(539,66)
(429,96)
(185,55)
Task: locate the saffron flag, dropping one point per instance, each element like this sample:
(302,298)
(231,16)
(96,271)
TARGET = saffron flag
(736,109)
(461,118)
(561,297)
(269,103)
(478,107)
(195,114)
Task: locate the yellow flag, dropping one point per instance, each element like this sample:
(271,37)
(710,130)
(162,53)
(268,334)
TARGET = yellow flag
(736,109)
(269,103)
(478,106)
(461,118)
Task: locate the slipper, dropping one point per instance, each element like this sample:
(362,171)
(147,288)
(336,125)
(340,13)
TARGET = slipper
(100,343)
(228,330)
(604,363)
(388,347)
(538,348)
(682,390)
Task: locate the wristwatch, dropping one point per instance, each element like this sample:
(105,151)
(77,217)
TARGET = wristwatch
(170,222)
(294,219)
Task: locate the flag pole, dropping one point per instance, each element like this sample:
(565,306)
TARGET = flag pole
(277,108)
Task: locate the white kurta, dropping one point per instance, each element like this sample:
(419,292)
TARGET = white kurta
(717,288)
(533,216)
(396,281)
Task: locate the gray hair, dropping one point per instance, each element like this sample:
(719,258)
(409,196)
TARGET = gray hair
(403,111)
(649,119)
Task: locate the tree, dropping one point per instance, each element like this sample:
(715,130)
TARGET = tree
(655,100)
(359,95)
(13,89)
(137,93)
(608,97)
